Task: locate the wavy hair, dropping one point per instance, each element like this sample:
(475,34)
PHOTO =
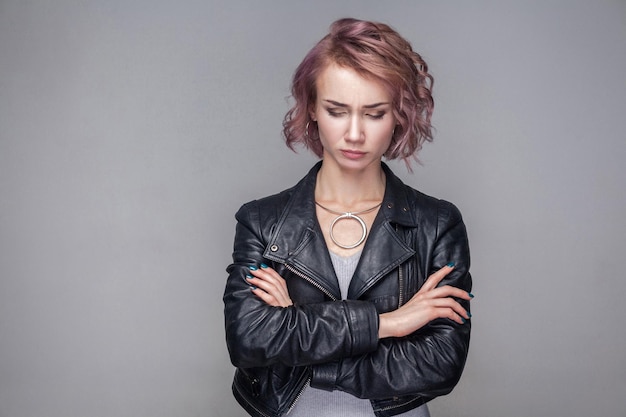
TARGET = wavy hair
(375,51)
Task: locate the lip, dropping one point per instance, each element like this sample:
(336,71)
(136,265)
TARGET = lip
(352,154)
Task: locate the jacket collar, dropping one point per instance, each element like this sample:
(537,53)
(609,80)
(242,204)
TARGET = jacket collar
(297,239)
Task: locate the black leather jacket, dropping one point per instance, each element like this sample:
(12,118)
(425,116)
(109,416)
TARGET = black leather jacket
(330,343)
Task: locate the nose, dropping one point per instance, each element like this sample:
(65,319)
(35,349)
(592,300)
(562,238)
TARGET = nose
(355,130)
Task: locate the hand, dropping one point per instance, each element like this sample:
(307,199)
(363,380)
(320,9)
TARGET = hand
(428,304)
(270,287)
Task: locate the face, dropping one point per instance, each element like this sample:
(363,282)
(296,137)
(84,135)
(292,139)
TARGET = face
(354,117)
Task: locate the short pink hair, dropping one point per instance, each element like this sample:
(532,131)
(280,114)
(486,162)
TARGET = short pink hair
(375,51)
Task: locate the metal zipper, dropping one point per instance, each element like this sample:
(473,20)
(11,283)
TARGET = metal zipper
(310,281)
(391,407)
(400,282)
(293,404)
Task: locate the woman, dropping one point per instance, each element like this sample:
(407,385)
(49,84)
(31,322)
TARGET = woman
(348,294)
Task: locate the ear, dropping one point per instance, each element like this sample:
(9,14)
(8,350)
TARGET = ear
(312,115)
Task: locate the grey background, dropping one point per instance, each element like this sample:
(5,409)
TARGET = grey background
(130,132)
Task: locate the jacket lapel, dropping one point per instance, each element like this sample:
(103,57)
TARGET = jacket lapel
(384,249)
(383,252)
(298,240)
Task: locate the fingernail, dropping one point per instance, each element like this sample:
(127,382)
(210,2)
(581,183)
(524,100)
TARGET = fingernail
(252,268)
(463,320)
(469,315)
(263,266)
(450,265)
(252,288)
(248,276)
(470,295)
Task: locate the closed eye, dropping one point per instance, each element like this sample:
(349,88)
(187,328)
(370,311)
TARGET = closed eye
(376,116)
(335,112)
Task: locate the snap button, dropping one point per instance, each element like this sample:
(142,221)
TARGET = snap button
(405,209)
(274,248)
(389,205)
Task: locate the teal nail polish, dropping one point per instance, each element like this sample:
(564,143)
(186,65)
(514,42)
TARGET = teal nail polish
(252,288)
(263,266)
(469,315)
(463,320)
(450,265)
(249,277)
(470,295)
(252,268)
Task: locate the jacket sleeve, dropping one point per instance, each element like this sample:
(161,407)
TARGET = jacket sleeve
(428,362)
(260,335)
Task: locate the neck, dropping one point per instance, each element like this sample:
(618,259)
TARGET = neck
(350,190)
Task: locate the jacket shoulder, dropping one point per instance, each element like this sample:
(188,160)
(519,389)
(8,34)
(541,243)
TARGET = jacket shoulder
(266,209)
(426,208)
(432,205)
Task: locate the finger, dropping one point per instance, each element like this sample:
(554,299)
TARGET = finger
(452,315)
(447,291)
(272,280)
(271,283)
(270,296)
(434,279)
(265,272)
(267,298)
(451,309)
(278,281)
(269,287)
(434,308)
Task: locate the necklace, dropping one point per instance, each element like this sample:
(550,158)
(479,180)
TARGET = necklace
(349,215)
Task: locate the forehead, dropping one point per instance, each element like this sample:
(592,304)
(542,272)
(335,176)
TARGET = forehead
(345,85)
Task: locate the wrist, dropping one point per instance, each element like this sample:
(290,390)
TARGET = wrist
(384,326)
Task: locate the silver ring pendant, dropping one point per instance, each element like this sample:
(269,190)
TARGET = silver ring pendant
(348,216)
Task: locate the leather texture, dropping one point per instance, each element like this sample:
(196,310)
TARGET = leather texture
(332,343)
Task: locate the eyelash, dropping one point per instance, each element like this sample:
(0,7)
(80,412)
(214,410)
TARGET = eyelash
(335,114)
(376,116)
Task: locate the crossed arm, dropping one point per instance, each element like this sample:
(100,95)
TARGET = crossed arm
(428,304)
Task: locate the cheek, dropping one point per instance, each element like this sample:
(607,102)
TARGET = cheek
(329,128)
(383,133)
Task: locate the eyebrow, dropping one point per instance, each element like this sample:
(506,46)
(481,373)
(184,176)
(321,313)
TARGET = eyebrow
(367,106)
